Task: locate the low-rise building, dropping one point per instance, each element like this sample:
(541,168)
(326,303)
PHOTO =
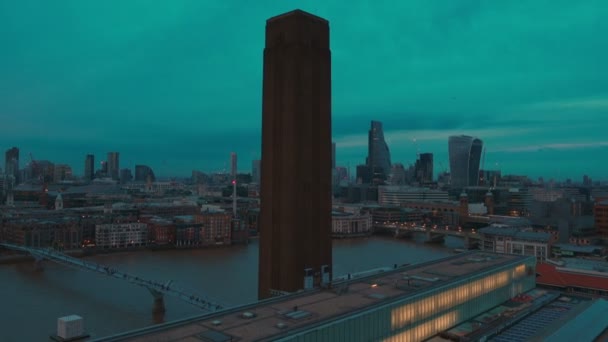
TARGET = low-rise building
(121,235)
(349,225)
(500,238)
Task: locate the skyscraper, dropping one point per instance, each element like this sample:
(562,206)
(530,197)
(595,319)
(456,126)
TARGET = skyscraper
(11,163)
(295,216)
(89,167)
(424,168)
(378,156)
(465,155)
(144,173)
(113,166)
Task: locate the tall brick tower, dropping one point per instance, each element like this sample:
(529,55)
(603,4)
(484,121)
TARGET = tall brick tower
(295,216)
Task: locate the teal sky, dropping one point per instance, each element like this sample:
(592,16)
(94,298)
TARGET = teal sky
(177,84)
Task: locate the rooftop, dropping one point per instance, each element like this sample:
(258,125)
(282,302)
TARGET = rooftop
(296,12)
(567,277)
(586,326)
(515,233)
(289,314)
(578,248)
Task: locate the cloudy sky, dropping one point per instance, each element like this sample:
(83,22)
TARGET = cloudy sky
(177,84)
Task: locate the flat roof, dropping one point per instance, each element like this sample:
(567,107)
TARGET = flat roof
(585,326)
(578,248)
(269,319)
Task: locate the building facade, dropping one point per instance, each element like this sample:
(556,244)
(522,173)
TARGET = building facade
(397,195)
(89,167)
(424,168)
(600,211)
(144,173)
(465,156)
(350,225)
(121,235)
(510,240)
(113,170)
(295,235)
(256,171)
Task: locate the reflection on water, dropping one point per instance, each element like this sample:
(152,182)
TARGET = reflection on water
(35,299)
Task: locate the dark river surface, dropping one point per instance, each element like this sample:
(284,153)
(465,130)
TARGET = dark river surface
(31,300)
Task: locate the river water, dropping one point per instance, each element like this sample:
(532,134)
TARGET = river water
(32,300)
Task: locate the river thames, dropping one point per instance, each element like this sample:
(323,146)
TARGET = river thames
(33,300)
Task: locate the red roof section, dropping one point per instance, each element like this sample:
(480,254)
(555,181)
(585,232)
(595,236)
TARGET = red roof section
(549,275)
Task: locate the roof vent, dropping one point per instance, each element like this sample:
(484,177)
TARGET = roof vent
(247,315)
(281,325)
(216,322)
(299,314)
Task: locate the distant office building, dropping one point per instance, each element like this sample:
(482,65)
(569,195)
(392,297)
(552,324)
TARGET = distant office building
(126,175)
(61,173)
(42,170)
(333,155)
(342,173)
(113,165)
(11,164)
(587,181)
(144,173)
(364,174)
(295,212)
(424,168)
(89,167)
(233,166)
(397,195)
(255,170)
(398,175)
(465,156)
(378,156)
(489,178)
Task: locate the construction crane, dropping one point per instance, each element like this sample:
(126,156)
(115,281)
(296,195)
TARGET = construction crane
(417,148)
(482,170)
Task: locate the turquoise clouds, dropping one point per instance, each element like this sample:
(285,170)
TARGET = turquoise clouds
(177,84)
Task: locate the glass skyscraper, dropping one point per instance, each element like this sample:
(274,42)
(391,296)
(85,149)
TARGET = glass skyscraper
(465,155)
(379,156)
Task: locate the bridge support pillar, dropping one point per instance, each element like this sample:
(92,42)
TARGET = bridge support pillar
(402,233)
(159,301)
(434,237)
(38,262)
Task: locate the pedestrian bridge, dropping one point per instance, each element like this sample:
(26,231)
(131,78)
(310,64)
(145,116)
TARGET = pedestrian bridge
(157,289)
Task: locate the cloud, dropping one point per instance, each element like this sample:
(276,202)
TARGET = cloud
(593,104)
(556,146)
(401,137)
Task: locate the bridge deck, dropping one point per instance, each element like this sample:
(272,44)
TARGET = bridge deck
(155,287)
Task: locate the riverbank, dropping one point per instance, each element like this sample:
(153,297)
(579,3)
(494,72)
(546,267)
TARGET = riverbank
(13,257)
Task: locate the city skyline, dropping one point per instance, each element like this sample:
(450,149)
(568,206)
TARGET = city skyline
(89,79)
